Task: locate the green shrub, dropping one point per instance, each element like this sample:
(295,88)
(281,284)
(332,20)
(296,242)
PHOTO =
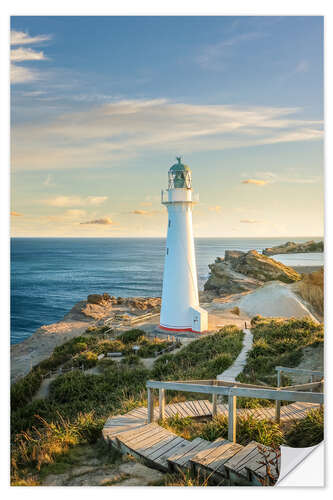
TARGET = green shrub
(106,346)
(307,432)
(131,336)
(86,359)
(23,390)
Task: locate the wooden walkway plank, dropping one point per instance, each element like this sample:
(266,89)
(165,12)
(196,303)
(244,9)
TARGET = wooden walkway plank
(237,462)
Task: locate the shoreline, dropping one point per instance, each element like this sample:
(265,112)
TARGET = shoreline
(40,345)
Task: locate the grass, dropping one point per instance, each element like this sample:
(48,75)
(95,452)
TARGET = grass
(248,429)
(201,359)
(46,433)
(278,342)
(307,432)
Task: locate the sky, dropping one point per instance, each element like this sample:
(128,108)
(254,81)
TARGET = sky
(101,107)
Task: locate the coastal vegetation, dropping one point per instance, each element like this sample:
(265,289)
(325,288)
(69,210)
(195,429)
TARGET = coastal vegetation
(46,431)
(300,434)
(278,342)
(202,359)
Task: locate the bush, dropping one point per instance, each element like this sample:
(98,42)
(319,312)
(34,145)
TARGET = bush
(86,359)
(106,346)
(131,336)
(23,390)
(307,432)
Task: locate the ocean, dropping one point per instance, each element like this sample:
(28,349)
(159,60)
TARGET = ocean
(49,275)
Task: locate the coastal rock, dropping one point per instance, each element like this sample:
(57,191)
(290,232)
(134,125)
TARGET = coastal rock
(292,247)
(95,298)
(242,272)
(263,268)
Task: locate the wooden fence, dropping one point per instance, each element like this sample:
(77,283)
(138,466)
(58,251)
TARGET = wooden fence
(232,390)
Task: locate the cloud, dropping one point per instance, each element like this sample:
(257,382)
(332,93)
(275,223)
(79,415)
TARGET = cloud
(16,214)
(217,208)
(215,56)
(145,212)
(74,201)
(26,54)
(125,129)
(146,204)
(22,74)
(290,176)
(258,182)
(104,221)
(22,38)
(249,221)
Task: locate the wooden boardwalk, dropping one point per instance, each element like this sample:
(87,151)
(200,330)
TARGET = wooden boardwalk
(219,460)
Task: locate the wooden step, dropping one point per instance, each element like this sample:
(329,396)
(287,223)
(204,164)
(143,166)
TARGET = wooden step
(248,464)
(258,471)
(182,458)
(210,462)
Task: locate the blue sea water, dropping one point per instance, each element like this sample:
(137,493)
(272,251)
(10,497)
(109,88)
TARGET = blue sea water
(49,275)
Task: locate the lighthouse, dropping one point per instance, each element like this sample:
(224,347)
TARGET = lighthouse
(180,310)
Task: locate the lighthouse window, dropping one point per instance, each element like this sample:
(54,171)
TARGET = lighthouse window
(169,222)
(167,251)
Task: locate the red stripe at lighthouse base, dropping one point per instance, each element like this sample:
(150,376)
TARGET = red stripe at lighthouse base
(178,329)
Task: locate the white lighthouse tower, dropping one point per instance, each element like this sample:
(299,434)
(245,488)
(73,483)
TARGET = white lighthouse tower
(180,309)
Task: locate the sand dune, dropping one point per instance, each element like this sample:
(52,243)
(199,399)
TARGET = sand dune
(273,299)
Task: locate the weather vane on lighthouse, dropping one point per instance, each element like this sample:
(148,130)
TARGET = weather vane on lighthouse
(180,310)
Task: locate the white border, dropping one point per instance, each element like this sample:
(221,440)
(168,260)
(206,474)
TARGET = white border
(172,7)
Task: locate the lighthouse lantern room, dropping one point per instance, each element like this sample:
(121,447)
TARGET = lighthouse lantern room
(180,310)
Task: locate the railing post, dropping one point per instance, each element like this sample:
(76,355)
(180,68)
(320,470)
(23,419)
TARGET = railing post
(214,402)
(322,390)
(277,402)
(232,418)
(161,395)
(150,405)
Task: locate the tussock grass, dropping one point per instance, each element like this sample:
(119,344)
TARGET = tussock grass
(249,429)
(202,359)
(278,342)
(307,432)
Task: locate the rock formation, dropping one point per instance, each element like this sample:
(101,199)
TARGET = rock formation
(244,271)
(292,247)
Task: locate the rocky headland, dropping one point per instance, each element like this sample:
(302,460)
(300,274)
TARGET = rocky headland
(242,272)
(292,247)
(93,311)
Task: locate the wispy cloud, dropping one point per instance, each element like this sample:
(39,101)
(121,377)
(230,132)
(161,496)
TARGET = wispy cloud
(124,129)
(26,54)
(16,214)
(23,38)
(74,201)
(216,208)
(249,221)
(257,182)
(215,56)
(145,212)
(291,176)
(106,221)
(23,74)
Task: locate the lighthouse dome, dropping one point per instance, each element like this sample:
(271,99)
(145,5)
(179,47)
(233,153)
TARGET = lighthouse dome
(180,175)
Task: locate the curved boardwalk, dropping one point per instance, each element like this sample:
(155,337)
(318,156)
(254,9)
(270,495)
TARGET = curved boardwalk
(220,460)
